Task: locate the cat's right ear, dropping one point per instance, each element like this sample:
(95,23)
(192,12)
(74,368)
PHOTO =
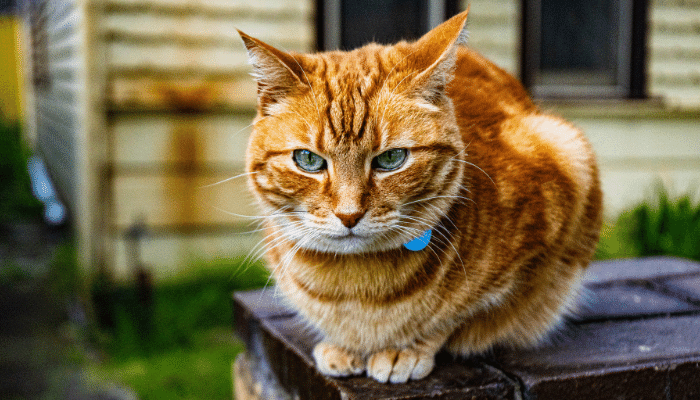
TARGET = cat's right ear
(276,72)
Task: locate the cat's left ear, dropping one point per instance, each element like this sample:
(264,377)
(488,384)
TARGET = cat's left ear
(435,55)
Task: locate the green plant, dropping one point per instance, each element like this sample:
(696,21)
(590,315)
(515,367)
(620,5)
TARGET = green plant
(16,199)
(664,226)
(65,274)
(670,227)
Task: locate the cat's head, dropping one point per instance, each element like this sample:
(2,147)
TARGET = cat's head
(356,152)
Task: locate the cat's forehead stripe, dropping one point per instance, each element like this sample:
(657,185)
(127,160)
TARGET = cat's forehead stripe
(347,84)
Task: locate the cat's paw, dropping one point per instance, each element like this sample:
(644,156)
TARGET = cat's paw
(332,360)
(398,366)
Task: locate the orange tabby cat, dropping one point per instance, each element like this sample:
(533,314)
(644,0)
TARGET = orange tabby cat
(354,155)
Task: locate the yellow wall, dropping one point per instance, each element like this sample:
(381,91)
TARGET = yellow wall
(10,68)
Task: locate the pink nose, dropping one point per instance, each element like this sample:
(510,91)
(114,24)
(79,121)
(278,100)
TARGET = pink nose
(350,220)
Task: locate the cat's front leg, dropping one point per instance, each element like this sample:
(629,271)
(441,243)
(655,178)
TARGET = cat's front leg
(414,362)
(398,366)
(332,360)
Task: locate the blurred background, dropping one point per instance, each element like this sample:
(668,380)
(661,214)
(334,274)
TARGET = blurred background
(123,120)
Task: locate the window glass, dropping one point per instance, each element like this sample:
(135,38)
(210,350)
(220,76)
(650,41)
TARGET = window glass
(579,42)
(593,48)
(381,21)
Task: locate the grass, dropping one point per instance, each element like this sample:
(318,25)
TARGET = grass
(180,345)
(199,371)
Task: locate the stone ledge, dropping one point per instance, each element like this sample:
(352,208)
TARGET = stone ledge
(639,338)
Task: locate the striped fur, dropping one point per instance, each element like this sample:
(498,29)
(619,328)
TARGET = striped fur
(511,194)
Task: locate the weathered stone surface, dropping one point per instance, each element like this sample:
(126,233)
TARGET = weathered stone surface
(281,346)
(638,359)
(639,269)
(638,338)
(686,288)
(618,301)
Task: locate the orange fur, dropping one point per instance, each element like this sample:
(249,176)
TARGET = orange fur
(511,194)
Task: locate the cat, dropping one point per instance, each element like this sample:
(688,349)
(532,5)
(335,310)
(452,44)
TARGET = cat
(415,199)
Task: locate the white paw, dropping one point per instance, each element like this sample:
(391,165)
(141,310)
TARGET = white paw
(332,360)
(398,366)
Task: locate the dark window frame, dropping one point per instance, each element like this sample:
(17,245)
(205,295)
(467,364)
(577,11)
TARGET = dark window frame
(329,17)
(635,79)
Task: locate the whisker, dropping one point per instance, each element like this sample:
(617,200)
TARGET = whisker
(437,197)
(246,127)
(439,231)
(228,179)
(479,168)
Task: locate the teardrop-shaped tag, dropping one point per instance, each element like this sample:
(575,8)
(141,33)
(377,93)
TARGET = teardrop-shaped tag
(421,242)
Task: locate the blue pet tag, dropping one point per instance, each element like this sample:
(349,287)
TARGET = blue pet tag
(421,242)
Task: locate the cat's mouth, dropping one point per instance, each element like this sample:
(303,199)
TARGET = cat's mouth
(347,236)
(347,243)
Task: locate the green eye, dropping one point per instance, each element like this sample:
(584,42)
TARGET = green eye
(390,159)
(308,161)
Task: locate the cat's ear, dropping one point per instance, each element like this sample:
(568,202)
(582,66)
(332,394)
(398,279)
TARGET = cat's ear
(434,58)
(277,73)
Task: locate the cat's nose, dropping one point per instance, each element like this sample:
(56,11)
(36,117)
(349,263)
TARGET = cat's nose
(350,220)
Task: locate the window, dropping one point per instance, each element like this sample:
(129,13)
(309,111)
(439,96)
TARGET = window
(348,24)
(593,48)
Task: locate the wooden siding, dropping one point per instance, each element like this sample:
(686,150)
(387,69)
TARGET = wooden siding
(166,168)
(674,52)
(636,153)
(150,102)
(167,254)
(181,101)
(57,98)
(160,51)
(494,31)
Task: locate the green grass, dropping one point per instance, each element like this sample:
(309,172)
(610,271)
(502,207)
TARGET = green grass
(199,371)
(182,346)
(178,309)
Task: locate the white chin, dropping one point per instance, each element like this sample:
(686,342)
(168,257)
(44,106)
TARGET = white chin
(344,245)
